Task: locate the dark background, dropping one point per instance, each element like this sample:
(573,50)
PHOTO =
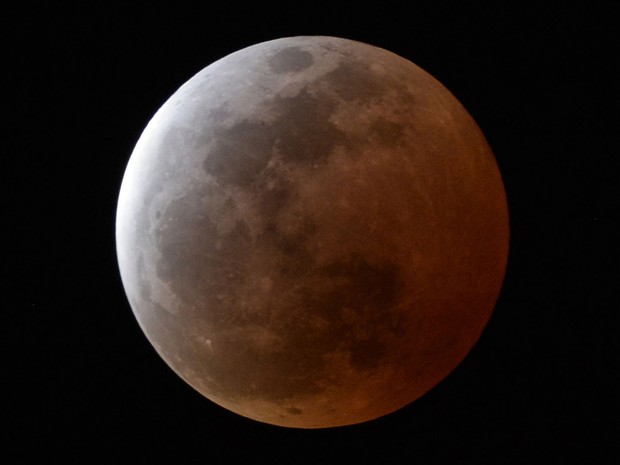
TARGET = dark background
(81,384)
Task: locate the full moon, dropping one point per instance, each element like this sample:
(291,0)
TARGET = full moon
(312,232)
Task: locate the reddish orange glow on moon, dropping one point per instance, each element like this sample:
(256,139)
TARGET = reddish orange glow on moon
(312,232)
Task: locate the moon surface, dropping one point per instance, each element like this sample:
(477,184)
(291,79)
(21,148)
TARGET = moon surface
(312,232)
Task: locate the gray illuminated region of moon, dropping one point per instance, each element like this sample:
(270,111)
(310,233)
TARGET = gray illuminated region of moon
(312,232)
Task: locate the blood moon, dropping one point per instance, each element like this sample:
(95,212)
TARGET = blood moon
(312,232)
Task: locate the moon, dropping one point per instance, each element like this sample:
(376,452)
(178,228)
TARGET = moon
(312,232)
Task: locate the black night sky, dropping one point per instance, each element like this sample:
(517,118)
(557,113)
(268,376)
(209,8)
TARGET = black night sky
(81,384)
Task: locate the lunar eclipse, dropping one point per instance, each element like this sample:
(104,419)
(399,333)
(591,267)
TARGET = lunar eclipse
(312,232)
